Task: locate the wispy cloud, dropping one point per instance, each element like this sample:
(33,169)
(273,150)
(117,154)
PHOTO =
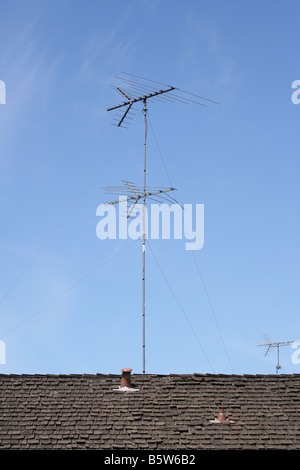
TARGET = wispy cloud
(26,71)
(107,54)
(111,52)
(203,44)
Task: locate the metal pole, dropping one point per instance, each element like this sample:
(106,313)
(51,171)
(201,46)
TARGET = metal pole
(144,231)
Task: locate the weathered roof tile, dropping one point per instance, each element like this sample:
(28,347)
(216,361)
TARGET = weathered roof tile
(172,411)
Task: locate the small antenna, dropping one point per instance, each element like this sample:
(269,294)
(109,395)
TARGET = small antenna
(141,91)
(274,344)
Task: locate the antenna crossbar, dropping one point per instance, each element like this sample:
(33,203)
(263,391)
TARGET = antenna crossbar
(131,101)
(137,196)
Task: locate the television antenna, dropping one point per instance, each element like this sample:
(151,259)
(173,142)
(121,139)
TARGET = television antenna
(136,89)
(274,344)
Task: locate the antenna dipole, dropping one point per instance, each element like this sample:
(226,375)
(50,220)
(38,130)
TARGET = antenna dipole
(131,101)
(274,344)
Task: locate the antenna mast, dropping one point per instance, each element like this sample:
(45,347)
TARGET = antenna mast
(144,237)
(274,344)
(142,91)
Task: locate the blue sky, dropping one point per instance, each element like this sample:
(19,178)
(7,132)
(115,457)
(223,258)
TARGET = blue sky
(71,303)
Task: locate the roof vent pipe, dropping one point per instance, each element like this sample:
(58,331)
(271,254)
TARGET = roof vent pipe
(126,379)
(221,418)
(125,385)
(221,415)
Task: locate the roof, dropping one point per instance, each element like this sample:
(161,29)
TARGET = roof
(163,412)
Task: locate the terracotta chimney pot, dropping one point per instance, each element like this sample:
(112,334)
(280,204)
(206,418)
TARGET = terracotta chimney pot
(221,415)
(126,379)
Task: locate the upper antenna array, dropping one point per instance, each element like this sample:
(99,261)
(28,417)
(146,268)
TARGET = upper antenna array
(136,89)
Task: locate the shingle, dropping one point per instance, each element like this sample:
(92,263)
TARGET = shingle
(173,411)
